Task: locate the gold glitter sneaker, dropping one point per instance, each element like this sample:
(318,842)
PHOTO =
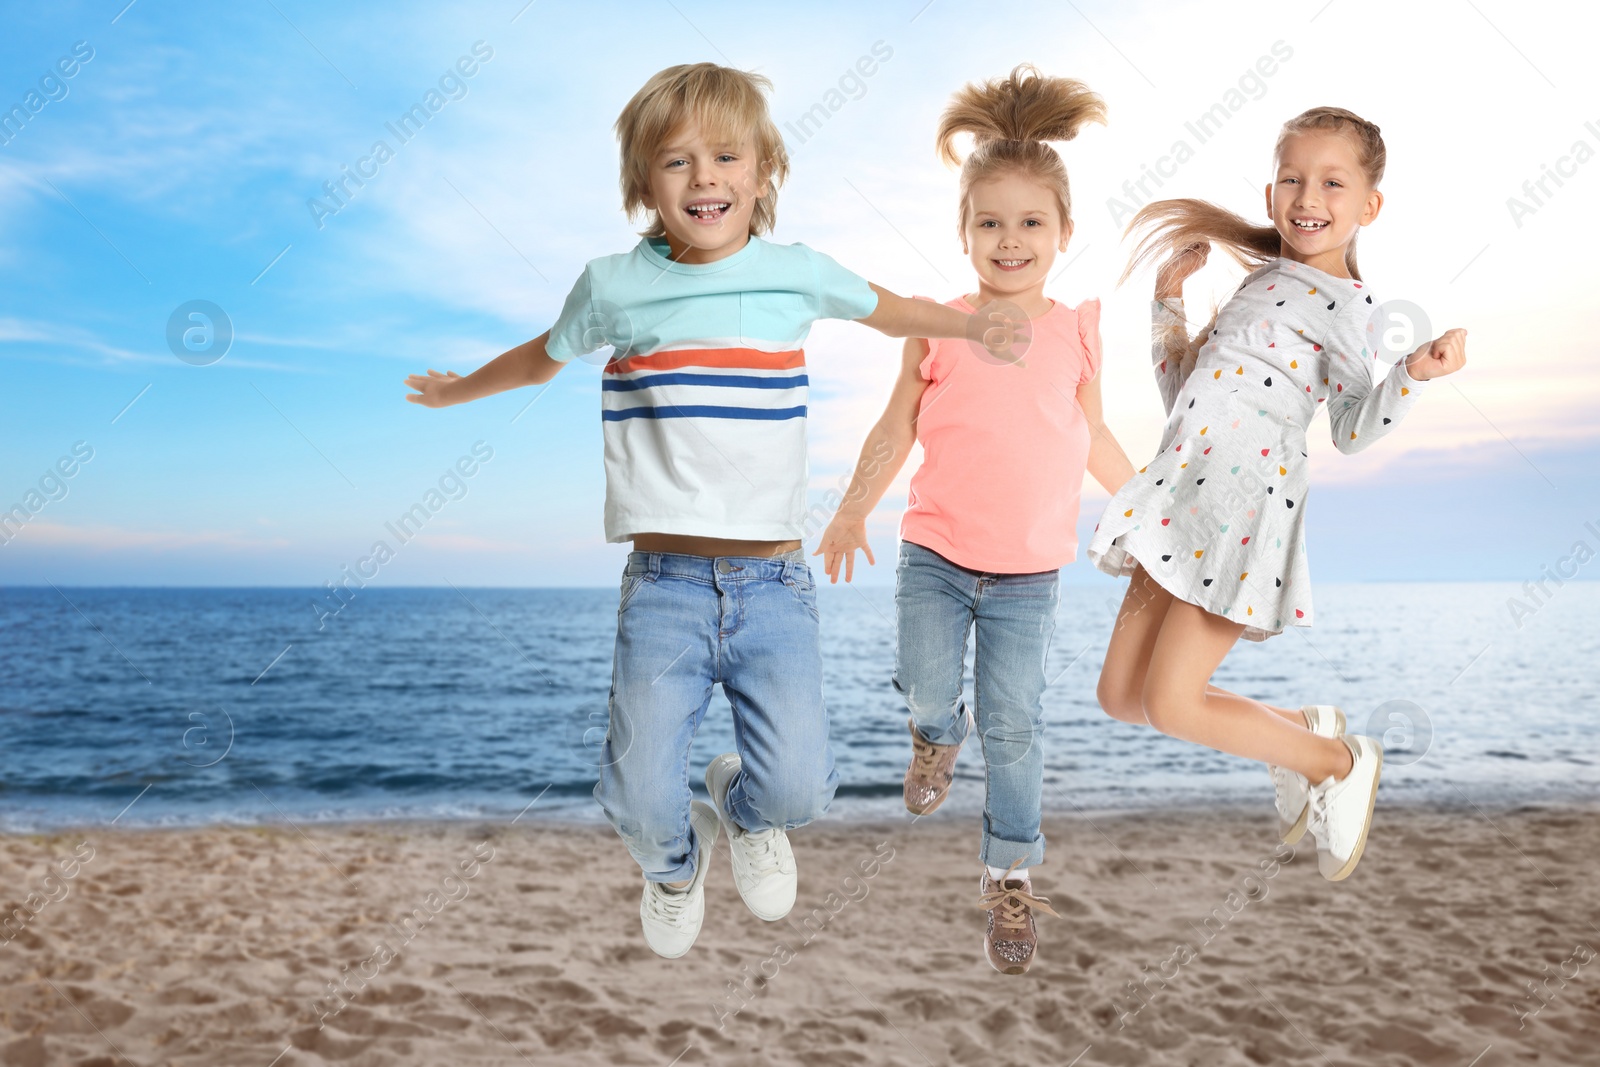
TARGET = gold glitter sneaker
(932,769)
(1011,941)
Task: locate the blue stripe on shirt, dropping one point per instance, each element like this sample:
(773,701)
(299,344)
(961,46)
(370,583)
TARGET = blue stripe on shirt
(742,381)
(702,411)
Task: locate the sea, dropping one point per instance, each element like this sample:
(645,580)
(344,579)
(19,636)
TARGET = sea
(145,707)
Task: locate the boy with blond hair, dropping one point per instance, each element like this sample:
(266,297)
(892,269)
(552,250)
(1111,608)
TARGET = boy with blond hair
(703,409)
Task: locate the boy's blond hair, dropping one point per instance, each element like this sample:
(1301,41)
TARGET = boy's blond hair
(729,103)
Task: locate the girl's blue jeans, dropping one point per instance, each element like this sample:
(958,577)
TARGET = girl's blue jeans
(937,605)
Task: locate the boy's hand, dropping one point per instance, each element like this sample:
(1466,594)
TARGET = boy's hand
(840,540)
(432,389)
(1175,271)
(999,329)
(1443,355)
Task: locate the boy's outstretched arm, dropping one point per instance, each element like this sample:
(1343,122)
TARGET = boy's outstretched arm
(526,364)
(899,316)
(882,455)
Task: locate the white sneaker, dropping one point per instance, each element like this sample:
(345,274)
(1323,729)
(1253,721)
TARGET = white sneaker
(1341,811)
(763,862)
(672,917)
(1290,787)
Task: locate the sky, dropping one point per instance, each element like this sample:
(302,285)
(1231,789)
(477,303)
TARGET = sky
(185,156)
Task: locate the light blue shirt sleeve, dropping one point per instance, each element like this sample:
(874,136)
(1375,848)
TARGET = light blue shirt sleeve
(841,293)
(575,333)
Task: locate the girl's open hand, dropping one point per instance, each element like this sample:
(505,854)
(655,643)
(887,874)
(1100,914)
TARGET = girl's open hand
(1445,354)
(431,388)
(840,541)
(1172,274)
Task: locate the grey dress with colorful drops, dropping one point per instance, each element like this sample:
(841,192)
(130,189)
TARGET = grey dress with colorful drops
(1218,516)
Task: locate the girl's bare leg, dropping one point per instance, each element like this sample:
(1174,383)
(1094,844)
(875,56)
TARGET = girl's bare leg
(1144,609)
(1189,645)
(1294,715)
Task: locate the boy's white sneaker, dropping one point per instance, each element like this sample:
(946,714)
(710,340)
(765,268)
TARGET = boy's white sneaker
(1290,788)
(1341,811)
(672,917)
(763,863)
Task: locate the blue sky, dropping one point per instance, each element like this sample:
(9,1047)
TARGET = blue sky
(177,163)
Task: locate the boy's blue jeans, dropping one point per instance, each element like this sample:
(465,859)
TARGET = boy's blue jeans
(685,623)
(937,605)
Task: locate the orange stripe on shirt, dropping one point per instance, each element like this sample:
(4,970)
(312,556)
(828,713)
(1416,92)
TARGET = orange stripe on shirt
(734,358)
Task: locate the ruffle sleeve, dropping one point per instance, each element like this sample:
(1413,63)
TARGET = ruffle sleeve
(1089,334)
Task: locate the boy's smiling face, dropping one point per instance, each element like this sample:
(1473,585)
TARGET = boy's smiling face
(704,190)
(1319,197)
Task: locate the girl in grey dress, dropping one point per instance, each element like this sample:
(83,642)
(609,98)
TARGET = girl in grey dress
(1218,515)
(1211,530)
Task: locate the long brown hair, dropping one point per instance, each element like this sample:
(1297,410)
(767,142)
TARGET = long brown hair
(1172,225)
(1011,118)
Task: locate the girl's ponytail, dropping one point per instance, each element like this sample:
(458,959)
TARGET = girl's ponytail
(1170,226)
(1010,119)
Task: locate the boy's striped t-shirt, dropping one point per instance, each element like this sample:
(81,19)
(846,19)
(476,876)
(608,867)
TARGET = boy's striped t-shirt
(703,400)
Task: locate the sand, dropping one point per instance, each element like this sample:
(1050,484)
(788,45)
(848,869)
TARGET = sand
(1184,939)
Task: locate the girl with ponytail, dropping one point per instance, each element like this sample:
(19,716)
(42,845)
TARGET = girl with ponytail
(1211,530)
(993,509)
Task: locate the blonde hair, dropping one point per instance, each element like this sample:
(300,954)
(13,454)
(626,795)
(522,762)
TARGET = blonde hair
(1174,225)
(728,103)
(1011,118)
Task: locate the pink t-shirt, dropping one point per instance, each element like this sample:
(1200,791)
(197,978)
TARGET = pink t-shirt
(1005,446)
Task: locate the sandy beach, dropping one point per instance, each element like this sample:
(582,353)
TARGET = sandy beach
(1186,939)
